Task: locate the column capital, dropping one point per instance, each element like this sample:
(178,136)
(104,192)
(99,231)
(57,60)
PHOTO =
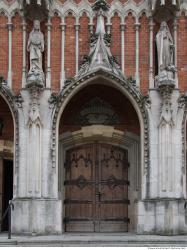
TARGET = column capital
(63,26)
(151,24)
(108,27)
(175,24)
(137,26)
(10,26)
(122,26)
(91,26)
(77,26)
(24,25)
(49,24)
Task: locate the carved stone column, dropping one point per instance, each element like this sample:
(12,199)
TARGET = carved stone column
(108,27)
(151,77)
(91,27)
(137,75)
(77,28)
(122,26)
(175,27)
(10,27)
(48,73)
(63,27)
(24,29)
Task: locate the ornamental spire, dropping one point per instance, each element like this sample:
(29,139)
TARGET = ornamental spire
(100,56)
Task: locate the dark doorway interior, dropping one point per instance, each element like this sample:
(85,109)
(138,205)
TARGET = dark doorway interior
(7,189)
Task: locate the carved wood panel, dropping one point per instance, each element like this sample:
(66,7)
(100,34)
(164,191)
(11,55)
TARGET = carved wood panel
(96,189)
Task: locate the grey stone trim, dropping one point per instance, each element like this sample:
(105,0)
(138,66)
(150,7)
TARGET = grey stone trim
(182,104)
(123,9)
(84,6)
(56,103)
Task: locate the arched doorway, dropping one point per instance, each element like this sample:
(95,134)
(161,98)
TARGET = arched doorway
(6,159)
(99,161)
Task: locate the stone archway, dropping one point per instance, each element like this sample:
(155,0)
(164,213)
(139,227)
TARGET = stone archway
(7,151)
(122,144)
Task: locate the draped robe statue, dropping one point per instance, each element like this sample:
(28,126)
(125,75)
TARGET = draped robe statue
(165,48)
(36,47)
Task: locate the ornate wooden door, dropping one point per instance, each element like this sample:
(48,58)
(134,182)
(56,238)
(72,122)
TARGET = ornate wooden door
(96,184)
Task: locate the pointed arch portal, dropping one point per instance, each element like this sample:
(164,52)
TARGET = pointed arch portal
(99,157)
(6,158)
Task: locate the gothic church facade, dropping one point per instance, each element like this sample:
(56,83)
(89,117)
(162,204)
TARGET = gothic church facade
(93,116)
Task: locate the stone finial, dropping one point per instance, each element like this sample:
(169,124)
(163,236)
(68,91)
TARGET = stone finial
(100,56)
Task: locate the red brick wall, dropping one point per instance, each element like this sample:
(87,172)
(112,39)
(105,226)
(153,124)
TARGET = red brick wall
(17,53)
(116,37)
(130,46)
(144,54)
(55,53)
(6,116)
(3,46)
(84,47)
(83,37)
(182,53)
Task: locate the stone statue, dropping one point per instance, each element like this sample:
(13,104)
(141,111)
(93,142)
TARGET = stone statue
(165,48)
(36,47)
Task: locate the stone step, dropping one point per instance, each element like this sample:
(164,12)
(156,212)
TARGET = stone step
(102,244)
(68,240)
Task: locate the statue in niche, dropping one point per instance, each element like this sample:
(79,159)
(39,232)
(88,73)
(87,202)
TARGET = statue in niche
(165,48)
(36,47)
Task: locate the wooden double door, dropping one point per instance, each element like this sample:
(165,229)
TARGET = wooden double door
(96,189)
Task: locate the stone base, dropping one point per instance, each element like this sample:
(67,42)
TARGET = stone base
(37,216)
(162,217)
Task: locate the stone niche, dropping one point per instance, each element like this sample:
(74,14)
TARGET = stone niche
(35,9)
(164,10)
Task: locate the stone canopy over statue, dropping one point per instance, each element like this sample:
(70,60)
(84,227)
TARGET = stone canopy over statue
(165,51)
(36,47)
